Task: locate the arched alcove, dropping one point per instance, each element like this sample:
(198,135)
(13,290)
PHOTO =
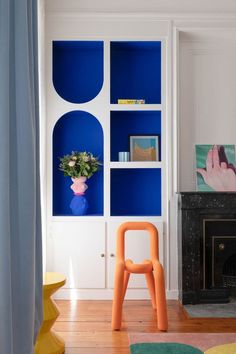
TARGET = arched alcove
(77,131)
(78,69)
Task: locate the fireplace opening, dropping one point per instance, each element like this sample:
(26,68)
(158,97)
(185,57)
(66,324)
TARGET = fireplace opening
(229,272)
(218,259)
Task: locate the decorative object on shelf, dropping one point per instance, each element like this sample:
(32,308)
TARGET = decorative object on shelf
(130,101)
(79,204)
(79,166)
(215,168)
(144,147)
(123,156)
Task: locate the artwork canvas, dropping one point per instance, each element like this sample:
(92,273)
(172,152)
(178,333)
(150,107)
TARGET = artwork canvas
(215,168)
(144,148)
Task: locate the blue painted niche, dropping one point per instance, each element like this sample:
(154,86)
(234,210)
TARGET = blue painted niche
(77,131)
(136,71)
(136,192)
(126,123)
(78,69)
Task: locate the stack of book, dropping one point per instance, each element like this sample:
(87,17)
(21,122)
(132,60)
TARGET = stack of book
(130,101)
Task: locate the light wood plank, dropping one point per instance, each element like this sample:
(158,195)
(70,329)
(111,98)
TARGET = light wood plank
(95,339)
(86,325)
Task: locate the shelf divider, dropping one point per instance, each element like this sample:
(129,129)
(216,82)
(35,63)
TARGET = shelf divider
(136,164)
(136,107)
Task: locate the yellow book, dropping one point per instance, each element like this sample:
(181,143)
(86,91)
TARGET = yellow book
(130,101)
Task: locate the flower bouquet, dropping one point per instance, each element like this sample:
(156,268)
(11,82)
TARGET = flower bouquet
(79,166)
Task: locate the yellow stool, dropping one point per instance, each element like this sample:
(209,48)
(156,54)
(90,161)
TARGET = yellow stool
(48,342)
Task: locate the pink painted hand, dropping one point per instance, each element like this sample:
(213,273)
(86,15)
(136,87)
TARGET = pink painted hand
(217,174)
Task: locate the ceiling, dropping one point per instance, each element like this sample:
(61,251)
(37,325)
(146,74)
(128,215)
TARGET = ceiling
(144,6)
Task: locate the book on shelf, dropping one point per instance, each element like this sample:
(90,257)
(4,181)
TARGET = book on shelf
(130,101)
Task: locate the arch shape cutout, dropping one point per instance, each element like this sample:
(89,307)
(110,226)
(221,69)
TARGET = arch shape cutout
(78,69)
(77,131)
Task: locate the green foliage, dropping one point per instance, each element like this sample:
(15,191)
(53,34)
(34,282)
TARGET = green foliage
(79,164)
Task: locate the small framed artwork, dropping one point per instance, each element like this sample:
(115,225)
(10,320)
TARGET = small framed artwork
(215,168)
(144,147)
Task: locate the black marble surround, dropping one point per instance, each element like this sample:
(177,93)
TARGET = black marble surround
(195,207)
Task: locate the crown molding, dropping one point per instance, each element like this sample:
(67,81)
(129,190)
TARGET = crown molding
(140,6)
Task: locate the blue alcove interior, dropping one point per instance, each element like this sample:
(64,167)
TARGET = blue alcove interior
(136,71)
(78,69)
(136,192)
(77,131)
(126,123)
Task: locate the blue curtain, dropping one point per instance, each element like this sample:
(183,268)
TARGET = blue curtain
(20,222)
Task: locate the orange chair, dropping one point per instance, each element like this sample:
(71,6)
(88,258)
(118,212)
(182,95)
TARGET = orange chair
(152,269)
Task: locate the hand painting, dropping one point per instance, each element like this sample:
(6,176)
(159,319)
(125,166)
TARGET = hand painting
(218,173)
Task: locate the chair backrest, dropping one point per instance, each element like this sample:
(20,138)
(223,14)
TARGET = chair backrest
(139,225)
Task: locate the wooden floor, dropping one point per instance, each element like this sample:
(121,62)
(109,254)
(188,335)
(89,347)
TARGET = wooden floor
(86,325)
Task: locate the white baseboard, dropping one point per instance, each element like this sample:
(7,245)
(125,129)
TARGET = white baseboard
(172,294)
(107,294)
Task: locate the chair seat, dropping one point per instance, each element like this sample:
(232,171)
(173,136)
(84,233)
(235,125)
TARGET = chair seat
(138,268)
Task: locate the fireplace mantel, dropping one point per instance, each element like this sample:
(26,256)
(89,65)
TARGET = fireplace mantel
(194,208)
(208,200)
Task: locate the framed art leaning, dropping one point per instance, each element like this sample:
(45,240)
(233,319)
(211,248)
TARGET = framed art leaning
(144,147)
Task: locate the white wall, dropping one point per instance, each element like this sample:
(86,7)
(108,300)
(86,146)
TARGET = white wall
(207,96)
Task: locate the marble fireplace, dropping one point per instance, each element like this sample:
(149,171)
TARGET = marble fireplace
(207,247)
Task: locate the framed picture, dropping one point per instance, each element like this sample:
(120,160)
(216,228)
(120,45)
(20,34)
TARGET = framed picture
(144,147)
(215,168)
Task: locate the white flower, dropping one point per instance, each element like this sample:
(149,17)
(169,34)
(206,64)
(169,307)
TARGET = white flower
(74,158)
(71,163)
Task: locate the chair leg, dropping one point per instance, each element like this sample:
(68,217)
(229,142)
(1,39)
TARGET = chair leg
(118,297)
(162,321)
(126,280)
(151,287)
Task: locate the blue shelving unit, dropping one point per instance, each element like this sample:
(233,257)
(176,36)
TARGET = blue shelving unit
(136,71)
(136,192)
(78,69)
(77,131)
(126,123)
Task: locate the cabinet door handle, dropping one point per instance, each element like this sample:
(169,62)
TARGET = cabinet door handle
(112,255)
(102,255)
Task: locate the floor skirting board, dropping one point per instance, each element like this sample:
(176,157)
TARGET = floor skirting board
(107,294)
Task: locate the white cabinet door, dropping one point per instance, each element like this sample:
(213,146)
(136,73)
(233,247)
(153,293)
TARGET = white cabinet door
(78,251)
(137,248)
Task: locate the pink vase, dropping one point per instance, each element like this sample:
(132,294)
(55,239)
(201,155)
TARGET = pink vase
(79,186)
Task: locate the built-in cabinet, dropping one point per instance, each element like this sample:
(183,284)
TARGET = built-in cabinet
(85,252)
(86,80)
(78,251)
